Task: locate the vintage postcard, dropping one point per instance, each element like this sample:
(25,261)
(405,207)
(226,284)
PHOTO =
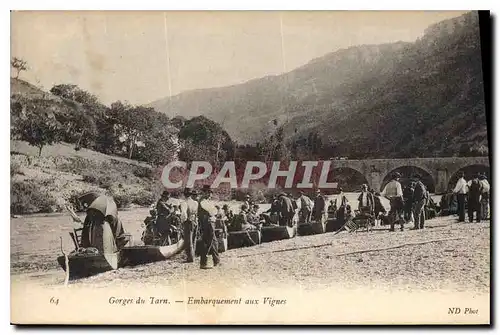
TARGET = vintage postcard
(250,167)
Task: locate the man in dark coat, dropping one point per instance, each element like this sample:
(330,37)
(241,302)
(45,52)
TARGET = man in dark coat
(408,201)
(319,208)
(190,225)
(485,196)
(206,217)
(365,201)
(286,211)
(420,196)
(163,211)
(473,199)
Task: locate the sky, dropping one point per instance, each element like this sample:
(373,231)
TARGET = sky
(144,56)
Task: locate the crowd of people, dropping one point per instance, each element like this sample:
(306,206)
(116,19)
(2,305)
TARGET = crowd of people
(473,194)
(197,216)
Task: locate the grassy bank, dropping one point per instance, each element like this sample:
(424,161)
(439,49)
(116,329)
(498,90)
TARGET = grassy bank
(45,183)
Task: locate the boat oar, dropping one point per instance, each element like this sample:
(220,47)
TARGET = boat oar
(66,263)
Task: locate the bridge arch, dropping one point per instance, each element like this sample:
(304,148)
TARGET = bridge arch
(407,171)
(348,178)
(469,172)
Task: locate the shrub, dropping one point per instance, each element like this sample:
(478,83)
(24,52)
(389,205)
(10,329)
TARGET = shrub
(143,172)
(15,168)
(122,200)
(104,179)
(32,197)
(143,198)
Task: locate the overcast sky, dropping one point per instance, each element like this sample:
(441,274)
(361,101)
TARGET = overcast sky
(145,56)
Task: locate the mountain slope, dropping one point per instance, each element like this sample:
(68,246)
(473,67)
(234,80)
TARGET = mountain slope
(255,103)
(384,100)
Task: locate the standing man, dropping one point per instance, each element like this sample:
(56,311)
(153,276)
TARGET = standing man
(365,201)
(485,197)
(190,224)
(286,212)
(420,196)
(473,200)
(319,208)
(461,190)
(341,203)
(305,207)
(163,211)
(394,193)
(206,217)
(408,202)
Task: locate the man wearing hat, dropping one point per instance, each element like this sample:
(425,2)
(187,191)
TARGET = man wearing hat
(341,204)
(475,190)
(273,212)
(191,224)
(163,210)
(319,208)
(248,202)
(286,211)
(227,213)
(485,196)
(306,205)
(365,201)
(420,195)
(394,193)
(461,191)
(206,217)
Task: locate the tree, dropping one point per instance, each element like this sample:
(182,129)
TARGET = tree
(73,92)
(37,125)
(19,65)
(204,137)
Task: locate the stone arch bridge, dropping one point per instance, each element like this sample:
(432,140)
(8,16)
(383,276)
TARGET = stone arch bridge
(441,169)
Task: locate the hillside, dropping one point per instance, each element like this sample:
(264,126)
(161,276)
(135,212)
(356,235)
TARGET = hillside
(430,91)
(21,87)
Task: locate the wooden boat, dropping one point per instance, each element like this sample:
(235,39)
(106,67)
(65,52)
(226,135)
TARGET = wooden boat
(221,239)
(244,238)
(85,262)
(144,254)
(313,227)
(275,233)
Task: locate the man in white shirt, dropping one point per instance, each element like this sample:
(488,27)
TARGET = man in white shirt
(394,192)
(461,191)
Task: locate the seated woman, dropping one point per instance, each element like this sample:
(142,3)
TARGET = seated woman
(240,222)
(101,209)
(253,216)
